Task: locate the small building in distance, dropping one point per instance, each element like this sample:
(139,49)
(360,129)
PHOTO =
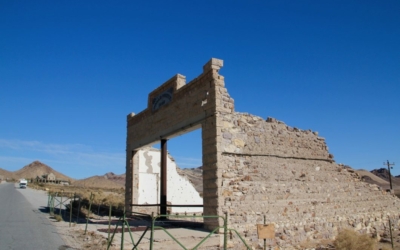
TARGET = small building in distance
(48,178)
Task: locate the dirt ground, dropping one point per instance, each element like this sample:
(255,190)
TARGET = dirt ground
(97,235)
(94,239)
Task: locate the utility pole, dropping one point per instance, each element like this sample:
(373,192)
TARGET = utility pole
(389,165)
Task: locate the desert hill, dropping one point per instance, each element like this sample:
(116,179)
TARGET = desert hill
(383,173)
(109,180)
(38,168)
(372,178)
(195,175)
(6,174)
(380,177)
(120,179)
(32,170)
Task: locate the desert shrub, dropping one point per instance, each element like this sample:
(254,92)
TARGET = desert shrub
(58,217)
(350,240)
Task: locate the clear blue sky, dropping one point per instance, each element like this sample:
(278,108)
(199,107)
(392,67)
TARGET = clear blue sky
(71,71)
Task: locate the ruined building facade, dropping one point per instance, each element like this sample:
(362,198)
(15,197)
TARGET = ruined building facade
(255,167)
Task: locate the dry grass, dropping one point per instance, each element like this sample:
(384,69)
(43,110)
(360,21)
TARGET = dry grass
(58,217)
(350,240)
(102,196)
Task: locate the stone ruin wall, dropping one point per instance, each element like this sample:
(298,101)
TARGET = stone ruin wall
(191,106)
(287,174)
(254,167)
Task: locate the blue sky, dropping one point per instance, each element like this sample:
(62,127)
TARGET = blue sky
(71,71)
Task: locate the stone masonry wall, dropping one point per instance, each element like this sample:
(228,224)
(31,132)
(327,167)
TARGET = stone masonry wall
(288,175)
(248,134)
(254,167)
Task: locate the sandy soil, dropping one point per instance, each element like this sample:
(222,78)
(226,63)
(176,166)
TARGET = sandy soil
(96,236)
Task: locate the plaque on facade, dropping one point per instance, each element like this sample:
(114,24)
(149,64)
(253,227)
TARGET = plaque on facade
(162,99)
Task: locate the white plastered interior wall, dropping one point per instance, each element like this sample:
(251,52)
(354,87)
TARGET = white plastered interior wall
(179,189)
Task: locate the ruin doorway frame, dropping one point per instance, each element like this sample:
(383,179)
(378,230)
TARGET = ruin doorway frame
(177,108)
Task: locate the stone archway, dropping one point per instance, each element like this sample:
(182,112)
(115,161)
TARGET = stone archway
(177,108)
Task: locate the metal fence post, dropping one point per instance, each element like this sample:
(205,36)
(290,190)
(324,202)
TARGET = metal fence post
(70,212)
(90,207)
(391,234)
(123,230)
(52,204)
(61,202)
(225,230)
(152,231)
(265,240)
(109,222)
(79,209)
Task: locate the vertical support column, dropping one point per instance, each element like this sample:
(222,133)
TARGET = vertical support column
(163,193)
(131,193)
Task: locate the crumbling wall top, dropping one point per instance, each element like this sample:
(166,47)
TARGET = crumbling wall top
(214,63)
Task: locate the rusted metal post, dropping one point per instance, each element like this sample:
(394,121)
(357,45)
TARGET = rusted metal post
(163,193)
(90,207)
(79,209)
(265,240)
(225,230)
(123,230)
(70,212)
(109,223)
(152,231)
(61,201)
(391,234)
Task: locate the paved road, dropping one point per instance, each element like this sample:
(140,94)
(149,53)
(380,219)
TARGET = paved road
(22,224)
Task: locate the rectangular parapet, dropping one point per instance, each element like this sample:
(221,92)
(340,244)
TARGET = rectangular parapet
(177,106)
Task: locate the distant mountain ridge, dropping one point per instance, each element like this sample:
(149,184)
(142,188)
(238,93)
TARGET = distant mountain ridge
(109,180)
(6,174)
(37,168)
(33,170)
(116,178)
(195,176)
(384,174)
(380,177)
